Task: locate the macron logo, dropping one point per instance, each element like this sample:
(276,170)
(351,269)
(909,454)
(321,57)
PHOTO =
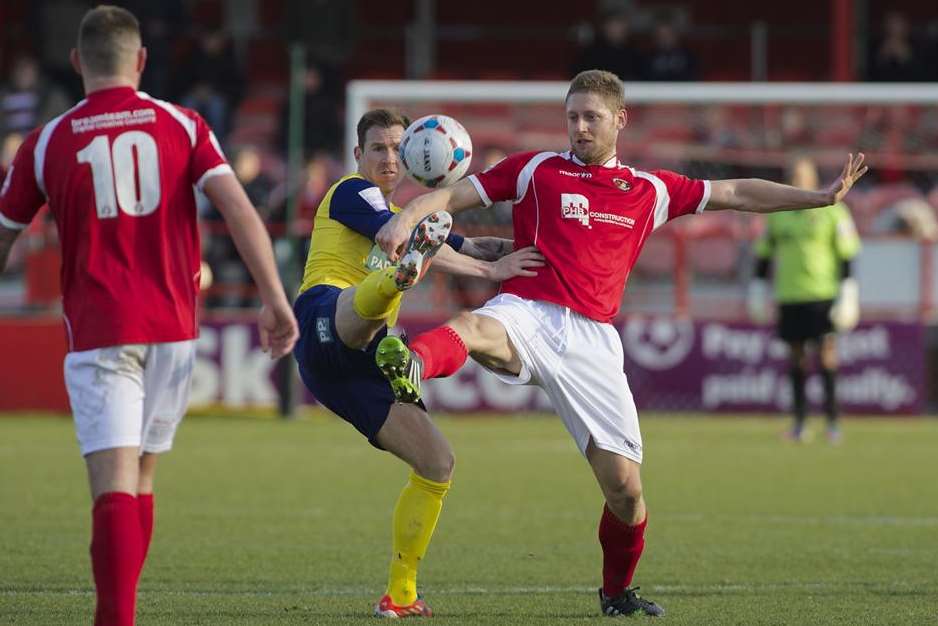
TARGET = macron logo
(575,207)
(575,174)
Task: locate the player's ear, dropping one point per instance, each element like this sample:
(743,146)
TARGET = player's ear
(358,154)
(141,59)
(75,60)
(622,118)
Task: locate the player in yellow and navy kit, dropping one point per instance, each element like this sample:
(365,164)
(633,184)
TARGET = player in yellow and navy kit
(810,253)
(349,296)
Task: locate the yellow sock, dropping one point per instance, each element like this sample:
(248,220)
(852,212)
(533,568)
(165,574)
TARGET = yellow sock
(377,296)
(415,516)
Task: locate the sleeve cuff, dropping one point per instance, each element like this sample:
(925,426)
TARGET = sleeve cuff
(481,190)
(455,241)
(10,224)
(704,198)
(218,170)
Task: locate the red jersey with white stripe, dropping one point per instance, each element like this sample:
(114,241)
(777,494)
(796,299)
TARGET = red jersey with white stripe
(589,221)
(118,171)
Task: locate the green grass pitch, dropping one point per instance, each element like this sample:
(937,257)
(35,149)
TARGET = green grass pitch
(268,522)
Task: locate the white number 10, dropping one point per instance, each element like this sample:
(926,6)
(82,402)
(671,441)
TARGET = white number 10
(131,166)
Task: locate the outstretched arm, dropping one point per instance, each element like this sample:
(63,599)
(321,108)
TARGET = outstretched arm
(518,263)
(487,248)
(762,196)
(453,199)
(7,238)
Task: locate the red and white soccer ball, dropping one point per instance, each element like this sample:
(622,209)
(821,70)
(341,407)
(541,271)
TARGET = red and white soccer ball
(436,150)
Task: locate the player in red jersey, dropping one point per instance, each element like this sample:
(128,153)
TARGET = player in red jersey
(589,215)
(118,171)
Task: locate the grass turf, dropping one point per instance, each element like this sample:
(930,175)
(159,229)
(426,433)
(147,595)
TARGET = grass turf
(268,522)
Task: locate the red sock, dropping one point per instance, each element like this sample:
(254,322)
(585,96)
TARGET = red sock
(622,548)
(115,557)
(145,506)
(441,350)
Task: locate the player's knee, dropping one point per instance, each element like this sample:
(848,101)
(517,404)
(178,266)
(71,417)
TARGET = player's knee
(438,466)
(468,326)
(624,498)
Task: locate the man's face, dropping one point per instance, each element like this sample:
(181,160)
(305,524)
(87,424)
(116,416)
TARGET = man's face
(379,161)
(593,127)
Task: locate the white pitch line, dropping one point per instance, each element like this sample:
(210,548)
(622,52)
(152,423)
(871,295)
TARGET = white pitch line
(727,588)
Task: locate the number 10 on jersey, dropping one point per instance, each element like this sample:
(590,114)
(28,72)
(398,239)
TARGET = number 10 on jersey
(126,173)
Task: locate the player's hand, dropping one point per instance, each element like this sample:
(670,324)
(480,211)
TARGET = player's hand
(278,328)
(518,263)
(393,235)
(853,170)
(488,248)
(845,312)
(757,301)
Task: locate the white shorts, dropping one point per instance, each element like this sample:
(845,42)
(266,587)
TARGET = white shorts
(130,395)
(578,362)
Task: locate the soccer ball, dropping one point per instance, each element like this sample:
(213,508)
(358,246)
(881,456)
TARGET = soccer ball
(436,150)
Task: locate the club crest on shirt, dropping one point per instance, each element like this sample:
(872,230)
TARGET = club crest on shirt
(624,185)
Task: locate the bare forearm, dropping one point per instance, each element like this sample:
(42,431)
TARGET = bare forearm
(461,196)
(452,262)
(762,196)
(487,248)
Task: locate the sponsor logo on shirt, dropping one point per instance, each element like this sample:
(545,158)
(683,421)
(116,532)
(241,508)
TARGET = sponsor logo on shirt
(577,207)
(116,119)
(574,206)
(576,174)
(374,197)
(377,259)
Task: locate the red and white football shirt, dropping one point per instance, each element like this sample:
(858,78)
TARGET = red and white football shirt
(118,171)
(589,221)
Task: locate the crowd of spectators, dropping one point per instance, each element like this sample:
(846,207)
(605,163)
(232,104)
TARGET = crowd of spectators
(612,45)
(201,65)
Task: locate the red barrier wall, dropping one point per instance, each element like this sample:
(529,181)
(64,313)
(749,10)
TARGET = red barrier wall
(31,354)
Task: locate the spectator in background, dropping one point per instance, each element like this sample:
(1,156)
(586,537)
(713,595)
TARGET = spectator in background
(232,280)
(28,100)
(613,49)
(317,177)
(8,147)
(670,59)
(212,81)
(895,58)
(257,184)
(322,127)
(910,216)
(52,23)
(161,24)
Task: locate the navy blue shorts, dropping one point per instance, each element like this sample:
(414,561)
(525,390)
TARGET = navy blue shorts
(346,381)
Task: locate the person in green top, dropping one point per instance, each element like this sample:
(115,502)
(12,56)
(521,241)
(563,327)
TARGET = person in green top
(810,255)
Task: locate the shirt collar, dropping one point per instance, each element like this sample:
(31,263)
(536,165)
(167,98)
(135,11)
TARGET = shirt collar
(611,163)
(111,90)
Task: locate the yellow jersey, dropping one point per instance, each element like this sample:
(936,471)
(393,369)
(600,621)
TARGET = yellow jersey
(342,245)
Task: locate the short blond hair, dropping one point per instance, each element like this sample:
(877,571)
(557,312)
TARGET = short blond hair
(108,39)
(604,84)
